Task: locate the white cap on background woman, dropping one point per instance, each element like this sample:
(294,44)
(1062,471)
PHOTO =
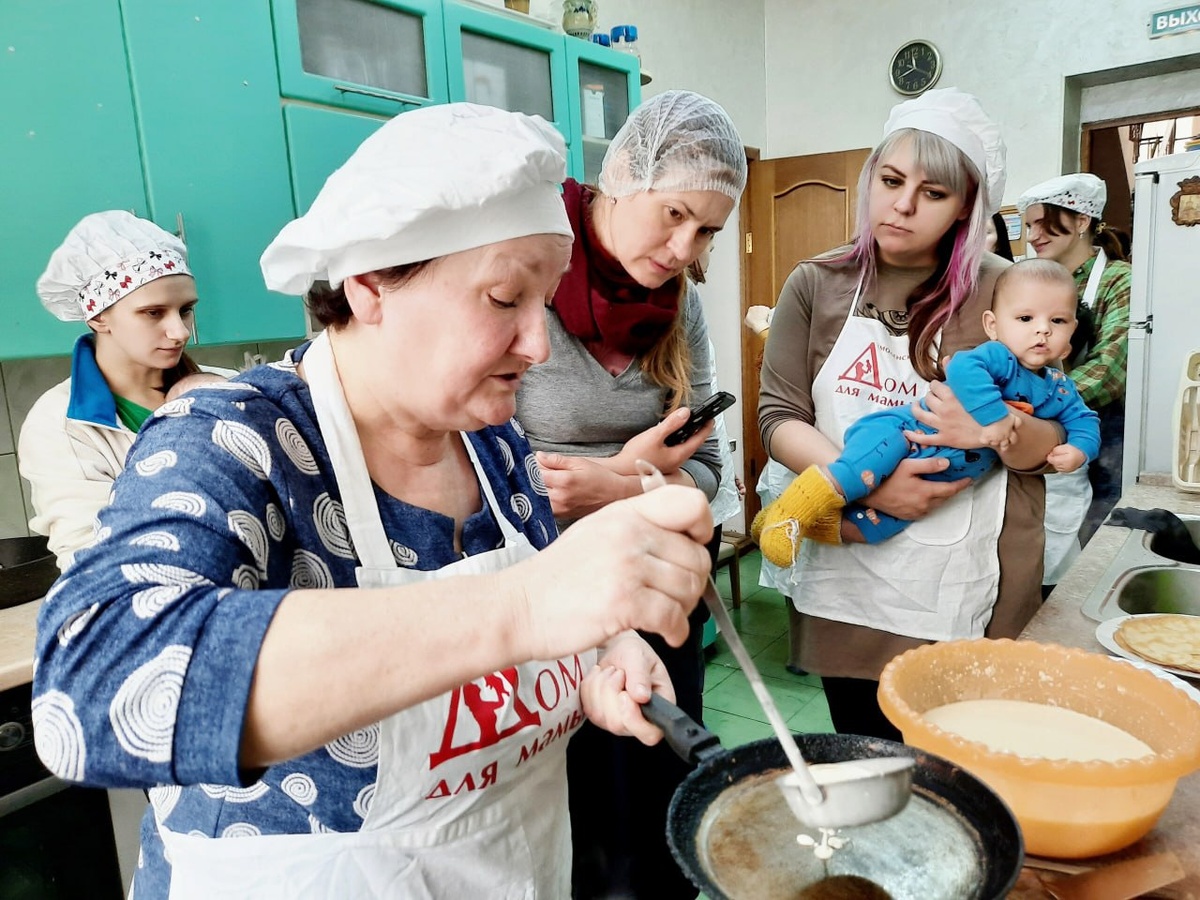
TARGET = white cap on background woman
(1079,192)
(105,257)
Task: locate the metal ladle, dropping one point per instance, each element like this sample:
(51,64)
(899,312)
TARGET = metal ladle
(829,795)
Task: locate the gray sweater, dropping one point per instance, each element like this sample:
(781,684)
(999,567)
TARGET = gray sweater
(572,405)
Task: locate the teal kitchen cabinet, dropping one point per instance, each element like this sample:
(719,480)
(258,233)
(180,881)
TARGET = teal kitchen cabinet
(604,85)
(498,60)
(207,95)
(68,141)
(319,141)
(375,56)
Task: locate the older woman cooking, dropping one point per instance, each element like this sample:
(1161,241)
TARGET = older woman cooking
(315,613)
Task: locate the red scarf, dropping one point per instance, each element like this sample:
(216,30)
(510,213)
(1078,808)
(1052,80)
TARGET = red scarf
(597,300)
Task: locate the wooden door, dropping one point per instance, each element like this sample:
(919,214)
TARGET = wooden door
(793,209)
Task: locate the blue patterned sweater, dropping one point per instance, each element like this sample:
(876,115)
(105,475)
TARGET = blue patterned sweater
(147,644)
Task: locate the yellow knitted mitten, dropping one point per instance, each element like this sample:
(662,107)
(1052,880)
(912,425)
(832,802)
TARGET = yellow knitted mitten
(808,508)
(827,529)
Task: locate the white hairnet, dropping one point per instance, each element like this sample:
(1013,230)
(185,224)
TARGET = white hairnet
(675,141)
(428,183)
(959,118)
(1079,192)
(106,256)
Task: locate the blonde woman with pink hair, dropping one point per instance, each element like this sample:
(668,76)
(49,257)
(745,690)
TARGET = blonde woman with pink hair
(867,327)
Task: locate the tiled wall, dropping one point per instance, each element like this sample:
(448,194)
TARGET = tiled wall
(23,381)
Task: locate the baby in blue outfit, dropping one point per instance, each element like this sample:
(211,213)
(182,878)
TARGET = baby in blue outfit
(1030,326)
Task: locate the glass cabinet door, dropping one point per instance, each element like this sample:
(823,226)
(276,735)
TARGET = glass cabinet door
(379,56)
(499,61)
(605,86)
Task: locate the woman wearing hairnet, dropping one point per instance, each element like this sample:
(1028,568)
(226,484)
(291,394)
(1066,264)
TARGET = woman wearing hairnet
(1063,217)
(866,327)
(129,281)
(628,354)
(315,622)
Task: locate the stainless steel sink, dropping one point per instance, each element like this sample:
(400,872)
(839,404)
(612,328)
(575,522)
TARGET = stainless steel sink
(1140,580)
(27,569)
(1173,590)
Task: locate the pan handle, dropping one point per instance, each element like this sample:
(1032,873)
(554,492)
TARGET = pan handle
(684,735)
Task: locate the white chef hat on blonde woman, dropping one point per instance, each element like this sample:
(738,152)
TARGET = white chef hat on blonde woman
(105,257)
(428,183)
(959,118)
(1079,192)
(675,141)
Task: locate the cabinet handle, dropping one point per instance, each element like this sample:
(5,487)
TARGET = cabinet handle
(378,95)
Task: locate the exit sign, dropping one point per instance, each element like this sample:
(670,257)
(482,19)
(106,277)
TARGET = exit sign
(1174,21)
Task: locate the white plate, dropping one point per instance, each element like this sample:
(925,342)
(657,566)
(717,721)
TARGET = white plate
(1165,676)
(1104,634)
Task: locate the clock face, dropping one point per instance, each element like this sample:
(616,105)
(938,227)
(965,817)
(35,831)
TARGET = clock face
(915,67)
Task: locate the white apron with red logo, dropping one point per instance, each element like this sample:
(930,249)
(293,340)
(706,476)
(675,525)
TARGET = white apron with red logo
(937,579)
(1068,494)
(471,796)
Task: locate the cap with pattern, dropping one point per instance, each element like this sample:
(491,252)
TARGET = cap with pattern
(104,258)
(1079,192)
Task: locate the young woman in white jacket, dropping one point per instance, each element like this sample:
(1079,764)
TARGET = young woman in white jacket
(129,281)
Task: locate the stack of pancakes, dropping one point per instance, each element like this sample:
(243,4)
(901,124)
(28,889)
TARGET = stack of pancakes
(1166,640)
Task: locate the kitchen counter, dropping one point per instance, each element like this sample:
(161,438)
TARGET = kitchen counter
(18,627)
(1060,621)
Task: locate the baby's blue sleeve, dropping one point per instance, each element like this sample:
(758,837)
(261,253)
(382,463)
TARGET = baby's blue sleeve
(977,377)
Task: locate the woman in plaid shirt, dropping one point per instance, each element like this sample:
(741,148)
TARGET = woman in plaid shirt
(1063,219)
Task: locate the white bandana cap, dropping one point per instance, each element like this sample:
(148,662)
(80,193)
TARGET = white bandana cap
(428,183)
(675,141)
(1079,192)
(104,258)
(959,118)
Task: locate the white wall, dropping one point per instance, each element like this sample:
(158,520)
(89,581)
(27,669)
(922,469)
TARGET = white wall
(1163,93)
(827,85)
(716,48)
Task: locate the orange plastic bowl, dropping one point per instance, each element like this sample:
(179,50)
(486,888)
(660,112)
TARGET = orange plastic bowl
(1065,809)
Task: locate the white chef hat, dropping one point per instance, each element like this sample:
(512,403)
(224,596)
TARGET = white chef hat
(103,258)
(958,117)
(428,183)
(675,141)
(1079,192)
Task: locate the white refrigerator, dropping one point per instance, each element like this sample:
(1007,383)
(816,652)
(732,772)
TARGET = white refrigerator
(1164,319)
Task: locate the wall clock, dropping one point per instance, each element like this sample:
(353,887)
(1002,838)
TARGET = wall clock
(915,68)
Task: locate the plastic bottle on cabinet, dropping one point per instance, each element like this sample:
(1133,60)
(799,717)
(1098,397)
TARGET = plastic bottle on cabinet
(624,38)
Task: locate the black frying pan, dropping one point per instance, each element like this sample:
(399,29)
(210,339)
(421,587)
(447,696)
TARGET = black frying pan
(733,835)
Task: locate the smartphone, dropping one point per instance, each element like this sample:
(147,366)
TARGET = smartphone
(709,409)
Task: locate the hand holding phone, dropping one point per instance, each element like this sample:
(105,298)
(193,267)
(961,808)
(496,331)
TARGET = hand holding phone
(700,416)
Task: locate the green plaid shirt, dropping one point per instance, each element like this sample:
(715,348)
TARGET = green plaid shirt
(1100,376)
